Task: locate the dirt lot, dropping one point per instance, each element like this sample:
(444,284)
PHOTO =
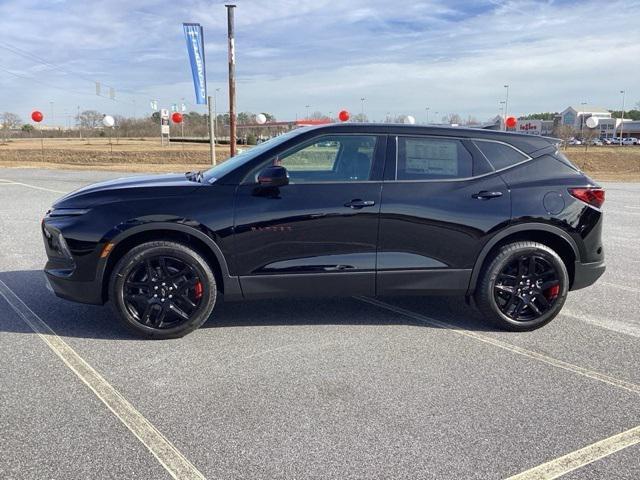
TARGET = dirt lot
(146,154)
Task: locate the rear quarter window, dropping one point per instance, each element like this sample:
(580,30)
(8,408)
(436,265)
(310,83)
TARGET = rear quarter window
(500,155)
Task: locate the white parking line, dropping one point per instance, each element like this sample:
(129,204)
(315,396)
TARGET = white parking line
(621,287)
(574,460)
(165,452)
(10,182)
(607,323)
(585,372)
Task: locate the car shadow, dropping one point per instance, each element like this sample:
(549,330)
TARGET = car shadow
(70,319)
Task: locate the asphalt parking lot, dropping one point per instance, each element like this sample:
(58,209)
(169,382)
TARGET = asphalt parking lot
(348,388)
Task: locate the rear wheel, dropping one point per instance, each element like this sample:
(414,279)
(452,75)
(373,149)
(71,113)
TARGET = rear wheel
(163,289)
(523,287)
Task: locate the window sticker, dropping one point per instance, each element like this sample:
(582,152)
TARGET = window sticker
(431,157)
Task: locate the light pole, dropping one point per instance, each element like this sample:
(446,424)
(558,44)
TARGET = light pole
(437,117)
(506,105)
(52,116)
(362,110)
(307,107)
(622,119)
(427,110)
(582,104)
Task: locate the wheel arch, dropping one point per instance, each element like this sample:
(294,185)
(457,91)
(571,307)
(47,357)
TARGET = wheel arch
(549,235)
(184,234)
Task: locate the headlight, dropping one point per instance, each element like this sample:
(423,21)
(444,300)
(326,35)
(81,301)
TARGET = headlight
(67,212)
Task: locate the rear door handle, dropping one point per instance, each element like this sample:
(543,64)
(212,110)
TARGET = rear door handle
(357,203)
(485,195)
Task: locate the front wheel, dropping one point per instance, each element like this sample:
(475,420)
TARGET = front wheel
(523,287)
(163,289)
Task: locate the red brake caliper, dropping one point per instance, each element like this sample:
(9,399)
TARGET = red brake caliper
(198,290)
(552,292)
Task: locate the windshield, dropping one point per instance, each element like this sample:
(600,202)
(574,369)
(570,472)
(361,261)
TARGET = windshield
(227,166)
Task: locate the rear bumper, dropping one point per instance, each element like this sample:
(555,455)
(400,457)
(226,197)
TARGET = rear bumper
(586,274)
(82,292)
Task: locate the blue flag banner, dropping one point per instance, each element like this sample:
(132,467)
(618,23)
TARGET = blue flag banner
(195,46)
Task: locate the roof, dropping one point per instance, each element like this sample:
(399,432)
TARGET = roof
(587,108)
(526,143)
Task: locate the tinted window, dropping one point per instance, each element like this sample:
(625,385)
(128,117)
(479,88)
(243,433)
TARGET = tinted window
(422,158)
(500,155)
(330,158)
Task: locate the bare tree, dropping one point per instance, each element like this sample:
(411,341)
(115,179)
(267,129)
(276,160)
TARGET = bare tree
(9,121)
(564,132)
(90,119)
(452,118)
(360,118)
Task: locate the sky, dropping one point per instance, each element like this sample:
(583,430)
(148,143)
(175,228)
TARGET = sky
(402,57)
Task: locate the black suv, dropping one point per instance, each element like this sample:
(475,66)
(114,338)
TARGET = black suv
(345,209)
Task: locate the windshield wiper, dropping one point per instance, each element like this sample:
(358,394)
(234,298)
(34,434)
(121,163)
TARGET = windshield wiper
(194,176)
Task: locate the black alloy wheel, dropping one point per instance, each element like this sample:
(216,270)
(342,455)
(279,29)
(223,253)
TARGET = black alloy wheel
(523,286)
(162,292)
(163,289)
(527,287)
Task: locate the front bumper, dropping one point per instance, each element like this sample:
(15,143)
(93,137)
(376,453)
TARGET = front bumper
(74,290)
(586,274)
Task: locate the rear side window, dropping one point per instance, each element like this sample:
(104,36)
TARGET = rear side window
(422,158)
(500,155)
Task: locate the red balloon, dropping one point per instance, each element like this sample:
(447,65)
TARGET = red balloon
(511,122)
(343,115)
(36,116)
(176,117)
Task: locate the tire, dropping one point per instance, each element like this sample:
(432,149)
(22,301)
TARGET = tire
(538,301)
(162,289)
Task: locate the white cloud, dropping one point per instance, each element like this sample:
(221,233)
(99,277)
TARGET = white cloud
(452,56)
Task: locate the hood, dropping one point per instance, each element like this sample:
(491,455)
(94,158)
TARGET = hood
(128,188)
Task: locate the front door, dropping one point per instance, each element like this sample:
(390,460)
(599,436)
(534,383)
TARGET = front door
(317,235)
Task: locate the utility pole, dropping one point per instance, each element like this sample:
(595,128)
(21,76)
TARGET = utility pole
(232,79)
(362,112)
(622,120)
(212,130)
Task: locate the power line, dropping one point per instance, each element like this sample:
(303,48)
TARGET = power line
(33,57)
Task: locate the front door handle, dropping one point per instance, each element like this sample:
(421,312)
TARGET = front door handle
(357,203)
(485,195)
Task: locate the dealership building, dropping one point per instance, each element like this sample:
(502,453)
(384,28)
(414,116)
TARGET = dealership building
(576,117)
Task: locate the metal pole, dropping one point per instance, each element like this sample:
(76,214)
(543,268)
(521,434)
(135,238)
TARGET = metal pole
(506,106)
(79,124)
(582,104)
(427,110)
(212,130)
(362,112)
(622,120)
(232,79)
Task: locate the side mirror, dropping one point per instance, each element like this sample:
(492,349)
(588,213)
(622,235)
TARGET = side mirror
(273,176)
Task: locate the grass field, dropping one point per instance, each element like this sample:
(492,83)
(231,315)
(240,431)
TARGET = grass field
(147,154)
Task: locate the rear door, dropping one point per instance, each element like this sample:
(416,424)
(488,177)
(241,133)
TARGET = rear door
(441,200)
(317,235)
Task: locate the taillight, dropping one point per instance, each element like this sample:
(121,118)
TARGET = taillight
(593,196)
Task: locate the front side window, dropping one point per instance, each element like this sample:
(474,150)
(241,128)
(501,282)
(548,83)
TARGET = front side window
(329,158)
(422,158)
